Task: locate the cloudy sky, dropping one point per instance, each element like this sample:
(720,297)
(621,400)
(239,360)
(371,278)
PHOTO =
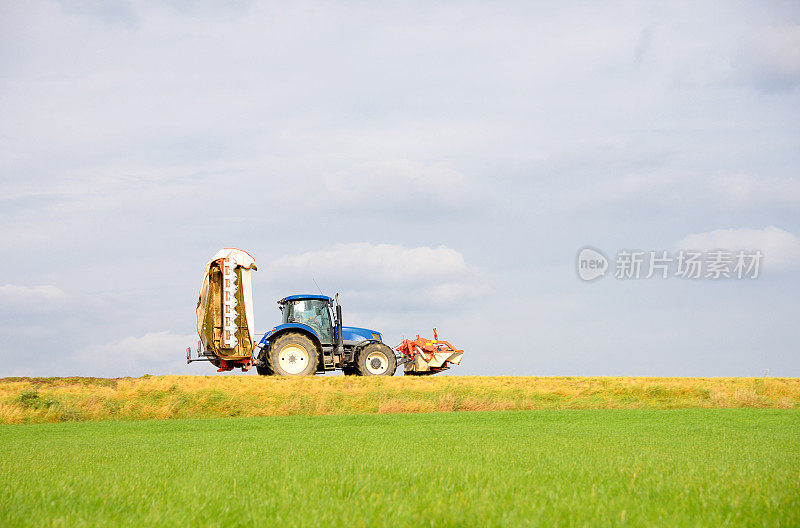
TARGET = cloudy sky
(438,164)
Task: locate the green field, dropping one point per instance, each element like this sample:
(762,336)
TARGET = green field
(691,467)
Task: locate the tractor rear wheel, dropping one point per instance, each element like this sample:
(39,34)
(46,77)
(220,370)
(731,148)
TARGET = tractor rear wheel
(376,359)
(293,355)
(264,371)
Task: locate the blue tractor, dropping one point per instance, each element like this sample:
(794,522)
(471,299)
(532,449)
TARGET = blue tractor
(311,339)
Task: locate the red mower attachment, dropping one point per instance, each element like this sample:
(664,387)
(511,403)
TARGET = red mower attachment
(428,356)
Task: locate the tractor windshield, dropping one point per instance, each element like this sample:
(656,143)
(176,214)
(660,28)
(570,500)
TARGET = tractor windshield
(311,312)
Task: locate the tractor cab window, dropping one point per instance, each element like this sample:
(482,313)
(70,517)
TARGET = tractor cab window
(311,312)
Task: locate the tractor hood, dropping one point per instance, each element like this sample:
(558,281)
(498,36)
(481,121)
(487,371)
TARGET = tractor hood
(349,333)
(354,333)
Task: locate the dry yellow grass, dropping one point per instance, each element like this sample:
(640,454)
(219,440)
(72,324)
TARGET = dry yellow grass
(25,400)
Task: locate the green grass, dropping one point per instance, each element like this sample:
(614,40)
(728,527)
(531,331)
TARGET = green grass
(696,467)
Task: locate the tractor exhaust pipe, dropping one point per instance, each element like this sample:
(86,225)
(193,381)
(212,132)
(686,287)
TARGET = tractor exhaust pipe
(339,340)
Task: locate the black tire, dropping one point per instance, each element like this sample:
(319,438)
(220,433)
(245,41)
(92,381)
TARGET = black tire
(262,365)
(349,371)
(376,359)
(293,354)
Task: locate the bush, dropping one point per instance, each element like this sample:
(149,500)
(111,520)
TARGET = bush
(31,399)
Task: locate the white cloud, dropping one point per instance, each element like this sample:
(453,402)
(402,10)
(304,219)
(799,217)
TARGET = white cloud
(771,59)
(386,274)
(374,263)
(154,352)
(398,182)
(745,190)
(13,294)
(721,191)
(781,249)
(451,292)
(782,46)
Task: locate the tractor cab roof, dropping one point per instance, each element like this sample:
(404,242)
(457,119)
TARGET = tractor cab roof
(304,297)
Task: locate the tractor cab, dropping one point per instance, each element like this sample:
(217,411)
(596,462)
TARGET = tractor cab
(310,310)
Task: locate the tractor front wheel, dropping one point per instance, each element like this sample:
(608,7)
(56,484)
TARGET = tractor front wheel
(293,355)
(376,359)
